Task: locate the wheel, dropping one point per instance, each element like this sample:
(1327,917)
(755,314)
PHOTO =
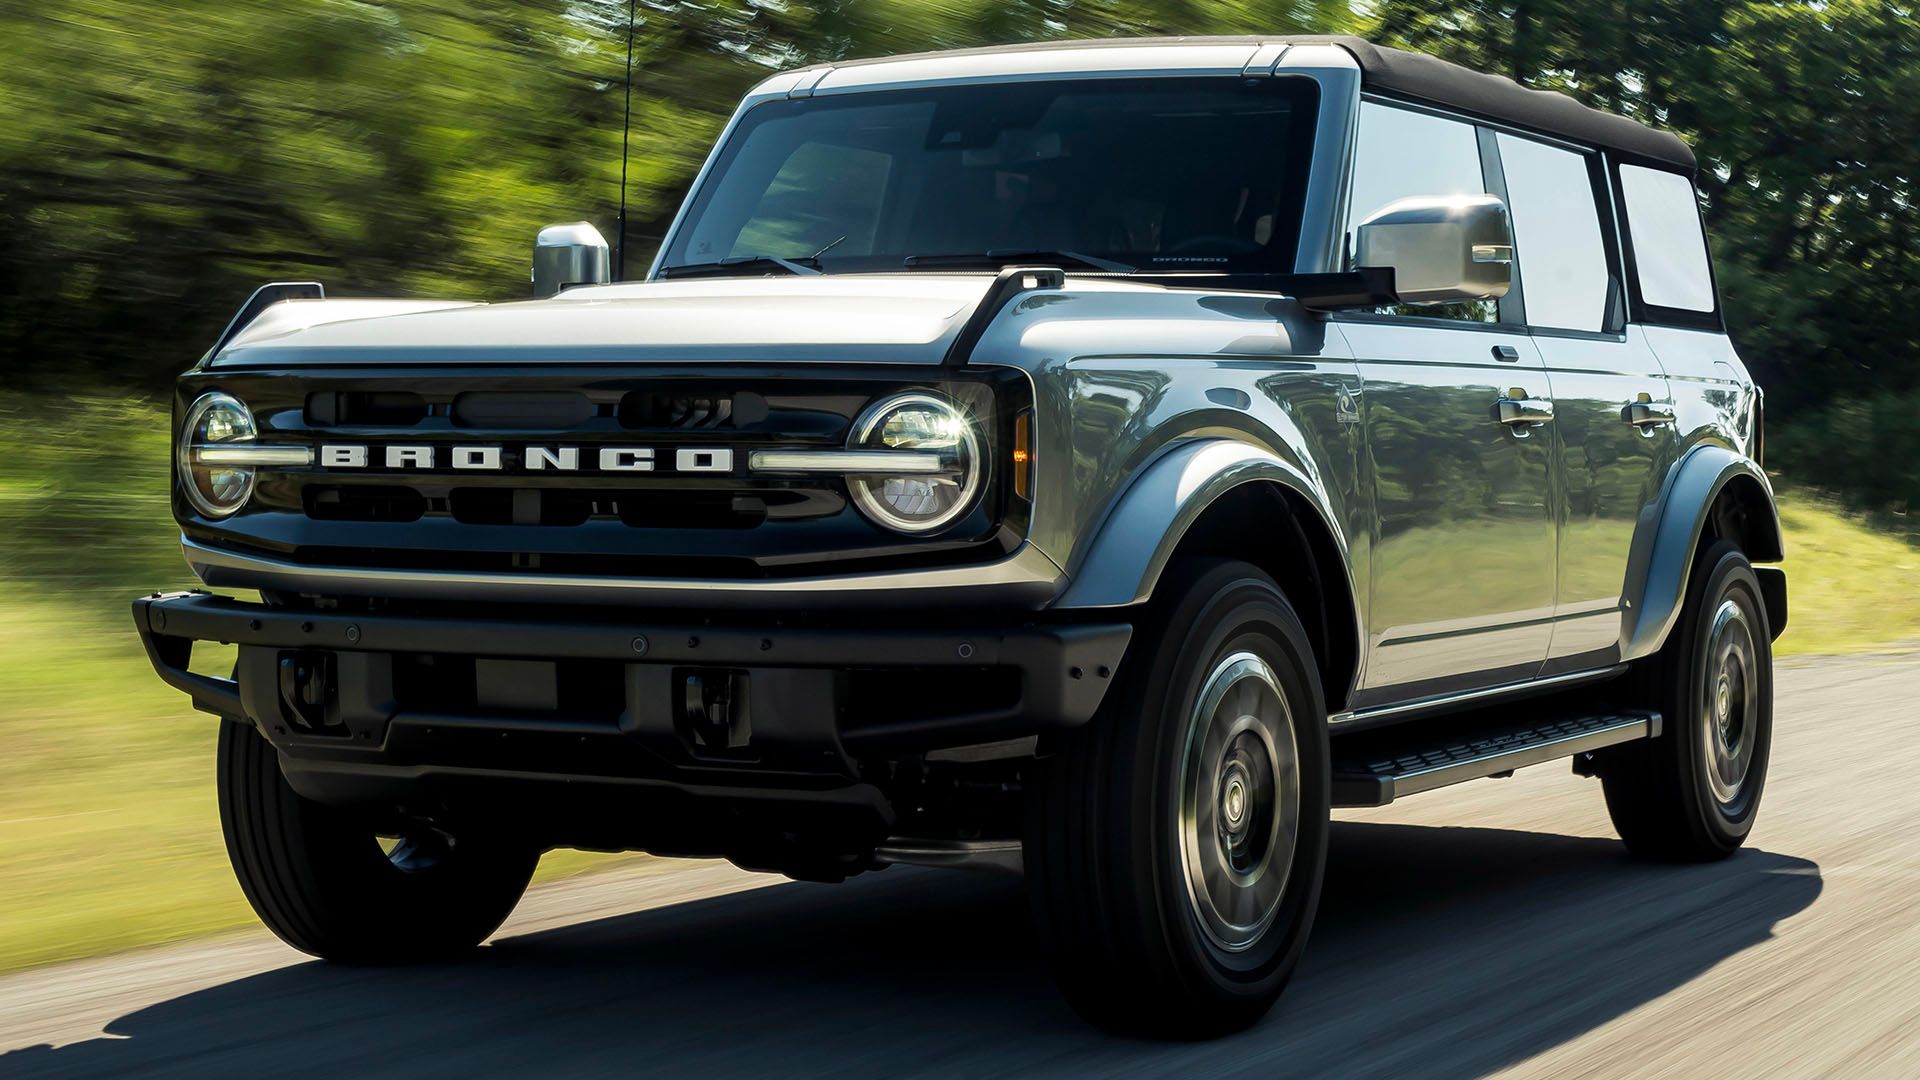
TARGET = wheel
(1175,847)
(1691,795)
(321,878)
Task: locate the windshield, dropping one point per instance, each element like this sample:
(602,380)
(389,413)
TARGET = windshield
(1161,174)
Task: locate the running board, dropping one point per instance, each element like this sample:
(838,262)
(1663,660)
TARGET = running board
(1374,768)
(998,856)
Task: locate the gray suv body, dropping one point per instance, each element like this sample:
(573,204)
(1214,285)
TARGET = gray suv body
(1091,459)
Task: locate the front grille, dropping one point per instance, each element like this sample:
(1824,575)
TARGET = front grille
(567,507)
(364,408)
(506,410)
(329,503)
(528,489)
(687,411)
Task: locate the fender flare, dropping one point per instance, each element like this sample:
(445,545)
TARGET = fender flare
(1662,559)
(1137,537)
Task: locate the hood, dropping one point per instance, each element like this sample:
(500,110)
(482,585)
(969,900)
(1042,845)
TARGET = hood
(880,318)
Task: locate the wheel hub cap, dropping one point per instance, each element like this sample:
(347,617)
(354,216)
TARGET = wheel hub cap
(1239,801)
(1728,711)
(1233,803)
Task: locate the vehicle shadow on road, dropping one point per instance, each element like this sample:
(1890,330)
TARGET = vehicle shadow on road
(1439,951)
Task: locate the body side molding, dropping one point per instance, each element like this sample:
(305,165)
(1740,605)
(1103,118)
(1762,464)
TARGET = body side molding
(1662,557)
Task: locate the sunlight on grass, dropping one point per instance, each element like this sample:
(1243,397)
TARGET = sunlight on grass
(1850,588)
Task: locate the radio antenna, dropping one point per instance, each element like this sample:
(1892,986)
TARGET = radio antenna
(626,128)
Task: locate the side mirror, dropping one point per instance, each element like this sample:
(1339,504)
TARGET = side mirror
(1441,247)
(568,255)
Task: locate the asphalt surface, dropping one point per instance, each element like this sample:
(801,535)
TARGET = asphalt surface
(1494,927)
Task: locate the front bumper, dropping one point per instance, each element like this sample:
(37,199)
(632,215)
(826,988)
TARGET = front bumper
(367,707)
(1027,579)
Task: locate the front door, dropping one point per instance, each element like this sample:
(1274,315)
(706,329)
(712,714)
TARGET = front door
(1463,558)
(1463,551)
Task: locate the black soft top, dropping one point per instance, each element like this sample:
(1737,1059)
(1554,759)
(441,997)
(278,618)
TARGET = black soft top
(1420,77)
(1496,97)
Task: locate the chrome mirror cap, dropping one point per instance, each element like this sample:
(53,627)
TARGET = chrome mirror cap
(1441,247)
(569,255)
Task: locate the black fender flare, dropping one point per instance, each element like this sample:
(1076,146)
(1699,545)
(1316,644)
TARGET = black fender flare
(1662,559)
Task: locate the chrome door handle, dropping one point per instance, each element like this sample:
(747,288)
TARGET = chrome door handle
(1643,414)
(1526,411)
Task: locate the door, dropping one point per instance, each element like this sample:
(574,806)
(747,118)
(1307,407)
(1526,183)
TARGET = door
(1463,557)
(1613,410)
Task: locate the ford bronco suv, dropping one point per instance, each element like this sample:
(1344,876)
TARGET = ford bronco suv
(1096,460)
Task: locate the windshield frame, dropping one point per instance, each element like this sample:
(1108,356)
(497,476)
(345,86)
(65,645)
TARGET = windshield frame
(1295,220)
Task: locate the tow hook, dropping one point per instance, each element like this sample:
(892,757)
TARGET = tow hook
(306,681)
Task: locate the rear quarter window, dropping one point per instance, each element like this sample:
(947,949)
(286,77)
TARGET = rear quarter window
(1668,241)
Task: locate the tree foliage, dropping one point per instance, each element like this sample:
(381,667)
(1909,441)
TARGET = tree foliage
(162,157)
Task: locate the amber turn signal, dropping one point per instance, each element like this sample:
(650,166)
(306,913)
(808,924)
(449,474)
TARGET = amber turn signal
(1023,455)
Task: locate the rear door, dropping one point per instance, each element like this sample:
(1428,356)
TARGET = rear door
(1463,557)
(1613,409)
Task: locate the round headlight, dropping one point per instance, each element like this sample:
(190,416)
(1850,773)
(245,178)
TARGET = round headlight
(946,474)
(216,490)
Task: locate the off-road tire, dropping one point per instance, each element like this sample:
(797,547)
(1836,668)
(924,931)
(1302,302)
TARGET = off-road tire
(1127,938)
(1661,793)
(319,878)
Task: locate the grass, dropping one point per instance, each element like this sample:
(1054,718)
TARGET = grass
(108,833)
(1850,588)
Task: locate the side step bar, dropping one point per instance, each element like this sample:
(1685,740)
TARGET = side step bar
(998,856)
(1376,767)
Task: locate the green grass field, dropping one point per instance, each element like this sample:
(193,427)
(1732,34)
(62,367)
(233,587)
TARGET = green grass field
(108,834)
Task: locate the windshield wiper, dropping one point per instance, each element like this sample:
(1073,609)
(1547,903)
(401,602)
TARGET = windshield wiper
(734,265)
(1008,256)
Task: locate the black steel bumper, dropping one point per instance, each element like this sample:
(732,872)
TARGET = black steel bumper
(363,705)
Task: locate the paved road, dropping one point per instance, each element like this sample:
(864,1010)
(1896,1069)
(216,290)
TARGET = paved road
(1492,928)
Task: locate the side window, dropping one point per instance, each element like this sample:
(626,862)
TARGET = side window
(793,220)
(1403,153)
(1669,244)
(1556,235)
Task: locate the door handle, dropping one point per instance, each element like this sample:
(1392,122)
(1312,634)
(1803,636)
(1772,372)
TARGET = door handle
(1644,414)
(1527,411)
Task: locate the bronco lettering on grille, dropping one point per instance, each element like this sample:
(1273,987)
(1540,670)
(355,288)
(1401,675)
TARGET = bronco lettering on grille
(708,459)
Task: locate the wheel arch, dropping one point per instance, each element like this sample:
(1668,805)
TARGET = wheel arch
(1224,498)
(1714,493)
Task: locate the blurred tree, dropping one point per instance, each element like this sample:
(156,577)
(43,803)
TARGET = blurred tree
(163,157)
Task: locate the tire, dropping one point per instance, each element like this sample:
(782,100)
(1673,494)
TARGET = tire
(319,878)
(1692,794)
(1117,872)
